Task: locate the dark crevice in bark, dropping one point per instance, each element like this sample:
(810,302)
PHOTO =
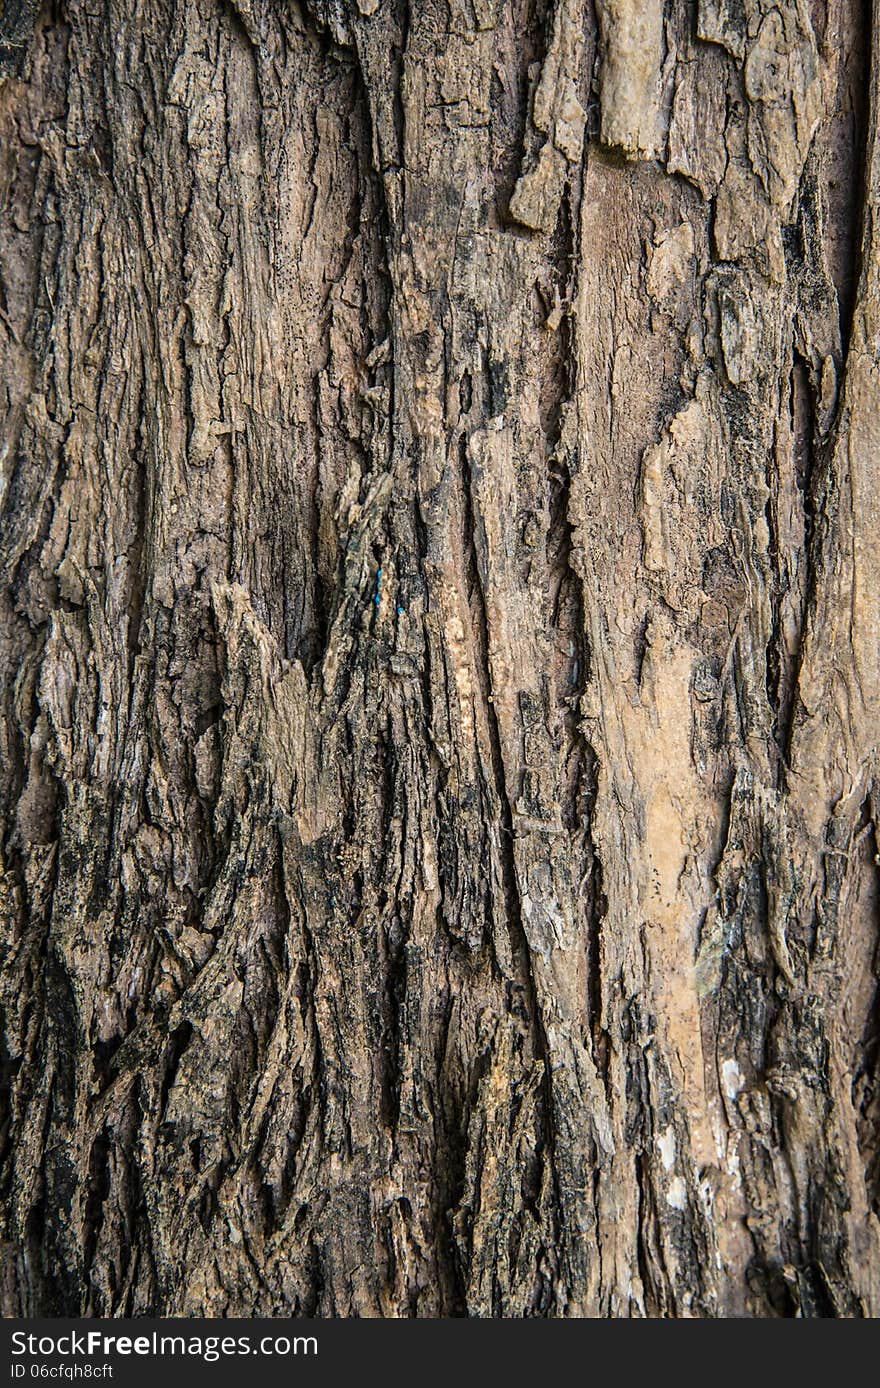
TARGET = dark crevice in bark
(393,993)
(369,217)
(98,1184)
(866,1098)
(642,1223)
(595,910)
(578,757)
(177,1043)
(783,661)
(521,43)
(866,1058)
(577,760)
(398,59)
(455,1104)
(18,20)
(803,427)
(240,24)
(139,554)
(9,1069)
(845,187)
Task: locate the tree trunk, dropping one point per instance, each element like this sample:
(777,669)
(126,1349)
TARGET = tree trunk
(440,468)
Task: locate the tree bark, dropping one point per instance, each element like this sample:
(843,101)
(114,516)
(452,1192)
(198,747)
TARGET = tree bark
(440,464)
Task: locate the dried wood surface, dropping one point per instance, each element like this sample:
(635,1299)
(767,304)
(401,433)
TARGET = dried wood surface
(440,650)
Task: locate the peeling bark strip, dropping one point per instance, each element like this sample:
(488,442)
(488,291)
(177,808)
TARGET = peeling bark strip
(439,477)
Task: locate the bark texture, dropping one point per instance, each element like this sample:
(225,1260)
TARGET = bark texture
(440,639)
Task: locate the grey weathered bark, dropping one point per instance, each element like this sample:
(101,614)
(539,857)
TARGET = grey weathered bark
(440,467)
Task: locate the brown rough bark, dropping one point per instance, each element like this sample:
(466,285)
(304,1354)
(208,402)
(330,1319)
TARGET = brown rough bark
(439,474)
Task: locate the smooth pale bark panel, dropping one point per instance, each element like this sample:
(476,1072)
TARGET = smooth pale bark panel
(439,645)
